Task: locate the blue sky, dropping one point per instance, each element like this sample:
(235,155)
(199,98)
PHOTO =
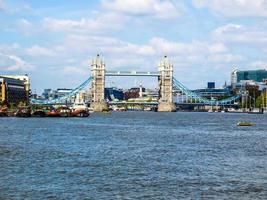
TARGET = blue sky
(55,41)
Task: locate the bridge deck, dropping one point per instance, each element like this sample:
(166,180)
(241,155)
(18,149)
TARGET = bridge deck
(156,103)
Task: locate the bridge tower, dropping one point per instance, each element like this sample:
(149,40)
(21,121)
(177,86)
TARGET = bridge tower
(165,69)
(98,85)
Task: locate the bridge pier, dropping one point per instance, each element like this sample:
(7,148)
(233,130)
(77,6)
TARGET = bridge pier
(166,107)
(98,85)
(99,106)
(165,86)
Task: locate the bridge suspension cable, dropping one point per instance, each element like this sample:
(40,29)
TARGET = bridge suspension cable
(65,97)
(176,85)
(196,97)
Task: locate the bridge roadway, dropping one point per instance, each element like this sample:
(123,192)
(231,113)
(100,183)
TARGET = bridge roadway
(156,103)
(131,73)
(133,103)
(145,103)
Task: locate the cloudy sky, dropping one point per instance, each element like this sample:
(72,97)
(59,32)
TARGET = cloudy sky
(55,41)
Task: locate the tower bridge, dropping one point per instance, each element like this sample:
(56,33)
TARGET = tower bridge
(164,75)
(167,85)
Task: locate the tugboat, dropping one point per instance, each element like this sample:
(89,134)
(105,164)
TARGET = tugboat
(64,111)
(80,113)
(80,110)
(53,113)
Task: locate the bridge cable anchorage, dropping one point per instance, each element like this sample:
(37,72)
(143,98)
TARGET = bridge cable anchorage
(65,97)
(192,95)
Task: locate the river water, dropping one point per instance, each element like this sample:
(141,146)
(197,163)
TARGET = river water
(134,155)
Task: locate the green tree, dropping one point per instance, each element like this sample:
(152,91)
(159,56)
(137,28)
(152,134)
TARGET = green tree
(21,104)
(259,102)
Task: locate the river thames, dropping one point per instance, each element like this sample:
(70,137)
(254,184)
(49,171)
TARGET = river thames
(134,155)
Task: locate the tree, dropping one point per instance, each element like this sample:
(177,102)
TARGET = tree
(21,104)
(259,102)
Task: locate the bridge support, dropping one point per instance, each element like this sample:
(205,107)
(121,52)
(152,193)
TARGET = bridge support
(166,107)
(99,106)
(98,85)
(165,86)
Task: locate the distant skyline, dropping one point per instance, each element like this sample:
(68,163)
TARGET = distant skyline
(55,41)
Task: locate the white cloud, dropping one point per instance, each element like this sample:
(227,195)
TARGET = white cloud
(21,8)
(193,52)
(26,27)
(9,48)
(166,47)
(12,8)
(119,52)
(228,28)
(107,21)
(105,45)
(255,35)
(204,57)
(217,48)
(10,62)
(2,5)
(235,8)
(70,70)
(208,56)
(226,58)
(90,32)
(156,8)
(258,64)
(37,50)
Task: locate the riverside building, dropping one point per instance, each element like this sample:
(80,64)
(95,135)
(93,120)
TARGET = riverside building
(252,75)
(25,80)
(211,92)
(13,91)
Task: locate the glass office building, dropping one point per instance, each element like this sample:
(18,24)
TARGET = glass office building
(113,94)
(255,75)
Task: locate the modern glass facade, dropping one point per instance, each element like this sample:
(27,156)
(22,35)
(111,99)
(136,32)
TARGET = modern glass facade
(255,75)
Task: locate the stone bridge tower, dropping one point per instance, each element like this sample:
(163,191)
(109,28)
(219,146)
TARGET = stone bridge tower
(98,103)
(165,69)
